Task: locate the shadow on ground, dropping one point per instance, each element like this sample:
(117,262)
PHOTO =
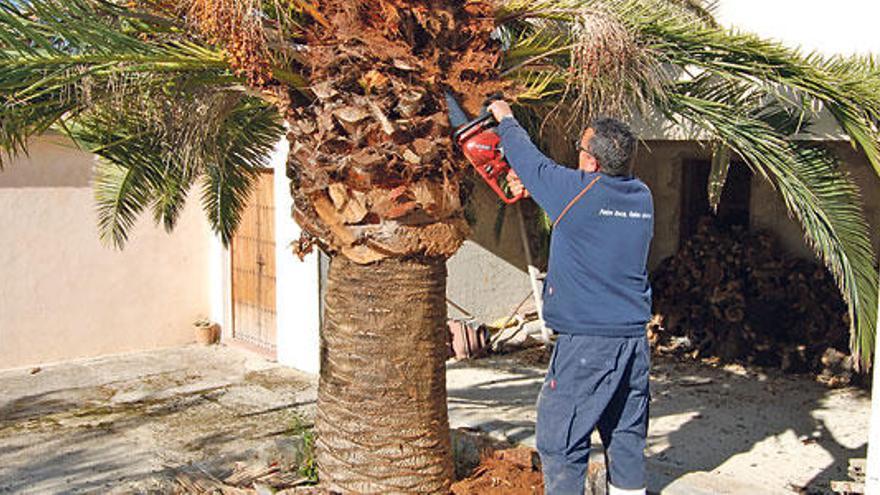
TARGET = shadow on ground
(203,407)
(713,429)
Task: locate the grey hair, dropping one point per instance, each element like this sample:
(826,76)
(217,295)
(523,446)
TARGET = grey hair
(612,144)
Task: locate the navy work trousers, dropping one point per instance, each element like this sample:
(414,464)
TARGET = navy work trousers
(594,382)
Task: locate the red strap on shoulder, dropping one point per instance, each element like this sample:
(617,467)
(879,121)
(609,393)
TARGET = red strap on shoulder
(575,200)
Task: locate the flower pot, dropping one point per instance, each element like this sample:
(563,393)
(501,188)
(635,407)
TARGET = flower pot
(207,334)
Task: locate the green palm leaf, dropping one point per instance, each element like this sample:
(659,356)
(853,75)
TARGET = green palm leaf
(153,151)
(160,109)
(121,194)
(846,86)
(60,58)
(245,144)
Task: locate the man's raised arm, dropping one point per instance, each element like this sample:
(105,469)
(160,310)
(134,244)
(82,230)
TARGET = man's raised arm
(547,181)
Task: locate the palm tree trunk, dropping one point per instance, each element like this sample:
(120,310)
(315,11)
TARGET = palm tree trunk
(382,424)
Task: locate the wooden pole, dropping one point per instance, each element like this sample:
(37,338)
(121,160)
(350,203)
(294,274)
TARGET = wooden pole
(534,274)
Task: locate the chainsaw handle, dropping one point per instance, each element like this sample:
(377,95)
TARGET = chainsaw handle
(493,97)
(503,196)
(484,117)
(493,184)
(484,112)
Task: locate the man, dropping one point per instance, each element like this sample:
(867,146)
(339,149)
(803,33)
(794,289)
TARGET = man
(596,297)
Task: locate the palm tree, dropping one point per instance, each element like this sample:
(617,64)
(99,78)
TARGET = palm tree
(176,94)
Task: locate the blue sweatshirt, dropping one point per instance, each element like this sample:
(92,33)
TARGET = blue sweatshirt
(597,280)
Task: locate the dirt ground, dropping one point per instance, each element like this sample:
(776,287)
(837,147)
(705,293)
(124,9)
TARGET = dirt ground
(128,423)
(514,471)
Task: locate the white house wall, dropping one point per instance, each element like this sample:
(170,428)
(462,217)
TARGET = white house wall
(65,295)
(296,282)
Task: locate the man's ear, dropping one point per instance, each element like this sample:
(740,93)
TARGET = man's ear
(592,163)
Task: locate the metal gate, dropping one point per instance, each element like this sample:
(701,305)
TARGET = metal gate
(253,270)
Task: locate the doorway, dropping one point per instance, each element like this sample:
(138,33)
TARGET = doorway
(252,254)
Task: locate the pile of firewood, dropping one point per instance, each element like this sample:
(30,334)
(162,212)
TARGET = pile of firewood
(736,295)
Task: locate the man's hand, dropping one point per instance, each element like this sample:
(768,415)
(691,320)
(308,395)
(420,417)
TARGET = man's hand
(500,109)
(515,185)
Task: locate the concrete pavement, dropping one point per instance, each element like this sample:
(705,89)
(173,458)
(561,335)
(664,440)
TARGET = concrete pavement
(123,423)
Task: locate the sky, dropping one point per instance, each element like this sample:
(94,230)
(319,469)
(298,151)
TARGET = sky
(841,26)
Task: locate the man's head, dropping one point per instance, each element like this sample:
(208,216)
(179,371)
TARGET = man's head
(607,144)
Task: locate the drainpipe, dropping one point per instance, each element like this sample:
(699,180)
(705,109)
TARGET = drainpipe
(872,481)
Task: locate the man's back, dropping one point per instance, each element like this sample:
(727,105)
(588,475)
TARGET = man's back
(597,282)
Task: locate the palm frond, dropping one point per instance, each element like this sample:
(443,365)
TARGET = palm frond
(687,40)
(718,174)
(245,143)
(579,56)
(846,86)
(121,194)
(161,109)
(60,57)
(156,148)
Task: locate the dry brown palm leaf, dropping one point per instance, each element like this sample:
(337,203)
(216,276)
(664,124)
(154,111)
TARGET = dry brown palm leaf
(372,160)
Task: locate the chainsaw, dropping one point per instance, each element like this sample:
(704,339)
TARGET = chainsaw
(481,146)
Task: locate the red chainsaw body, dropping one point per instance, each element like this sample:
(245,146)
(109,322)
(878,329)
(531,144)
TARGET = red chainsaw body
(482,147)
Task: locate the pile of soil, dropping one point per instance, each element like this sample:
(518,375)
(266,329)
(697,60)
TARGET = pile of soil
(735,295)
(513,471)
(531,353)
